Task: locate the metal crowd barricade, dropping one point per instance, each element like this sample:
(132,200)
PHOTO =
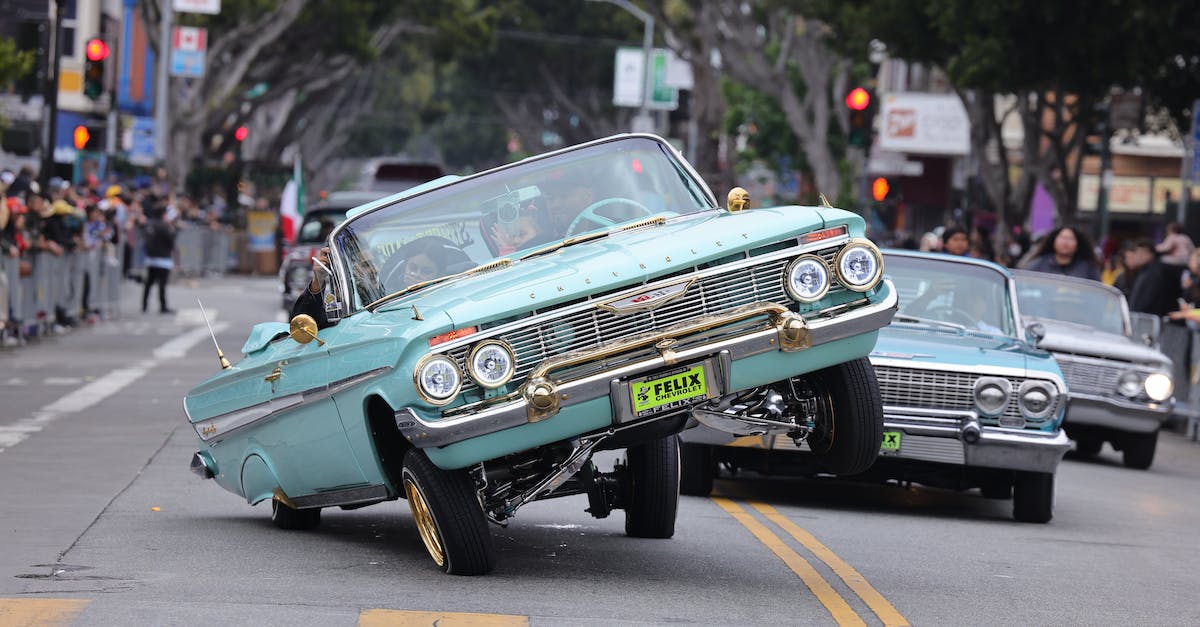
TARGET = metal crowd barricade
(201,250)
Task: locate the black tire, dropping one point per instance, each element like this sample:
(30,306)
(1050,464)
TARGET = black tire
(1088,444)
(448,516)
(1138,450)
(1033,497)
(1000,489)
(285,517)
(652,488)
(697,469)
(848,441)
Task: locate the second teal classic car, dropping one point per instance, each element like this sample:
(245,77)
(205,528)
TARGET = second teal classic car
(492,332)
(969,401)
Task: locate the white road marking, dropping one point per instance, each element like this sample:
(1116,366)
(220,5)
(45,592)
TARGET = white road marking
(101,388)
(62,380)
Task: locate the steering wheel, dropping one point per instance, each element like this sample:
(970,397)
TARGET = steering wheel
(589,213)
(952,314)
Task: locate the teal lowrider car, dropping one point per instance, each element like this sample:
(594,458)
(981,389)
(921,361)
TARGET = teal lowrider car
(969,400)
(489,333)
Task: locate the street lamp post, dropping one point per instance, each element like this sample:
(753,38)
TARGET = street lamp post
(643,123)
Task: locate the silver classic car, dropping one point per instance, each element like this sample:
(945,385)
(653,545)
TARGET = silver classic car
(481,337)
(1120,388)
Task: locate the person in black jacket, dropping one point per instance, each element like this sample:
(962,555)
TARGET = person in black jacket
(159,239)
(1155,287)
(310,301)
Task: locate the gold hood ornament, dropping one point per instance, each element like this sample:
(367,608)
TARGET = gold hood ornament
(738,200)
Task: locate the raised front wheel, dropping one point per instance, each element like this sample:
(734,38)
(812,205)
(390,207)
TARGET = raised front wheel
(849,421)
(448,516)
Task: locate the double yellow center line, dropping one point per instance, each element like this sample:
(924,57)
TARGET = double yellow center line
(825,593)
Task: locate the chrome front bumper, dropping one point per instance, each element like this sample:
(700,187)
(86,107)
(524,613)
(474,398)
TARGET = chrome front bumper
(1117,413)
(543,396)
(957,438)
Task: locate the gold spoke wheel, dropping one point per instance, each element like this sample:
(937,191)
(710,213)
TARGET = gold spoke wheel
(425,523)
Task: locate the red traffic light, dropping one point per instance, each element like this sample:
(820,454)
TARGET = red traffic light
(96,50)
(81,136)
(879,189)
(858,99)
(240,133)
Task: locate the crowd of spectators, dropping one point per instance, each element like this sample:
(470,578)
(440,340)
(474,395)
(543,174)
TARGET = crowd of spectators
(113,217)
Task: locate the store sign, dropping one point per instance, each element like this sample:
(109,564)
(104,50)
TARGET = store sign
(1126,194)
(934,124)
(188,45)
(210,7)
(668,74)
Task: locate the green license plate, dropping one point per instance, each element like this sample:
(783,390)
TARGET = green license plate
(891,443)
(668,391)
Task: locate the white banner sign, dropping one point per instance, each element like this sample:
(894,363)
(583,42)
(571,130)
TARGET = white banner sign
(211,7)
(933,124)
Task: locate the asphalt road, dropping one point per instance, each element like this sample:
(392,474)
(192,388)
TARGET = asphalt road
(101,523)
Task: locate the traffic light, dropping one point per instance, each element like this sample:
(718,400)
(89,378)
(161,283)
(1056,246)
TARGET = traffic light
(95,54)
(87,138)
(240,134)
(880,189)
(860,102)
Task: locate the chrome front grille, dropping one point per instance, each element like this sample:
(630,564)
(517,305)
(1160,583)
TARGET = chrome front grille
(938,389)
(591,327)
(1091,376)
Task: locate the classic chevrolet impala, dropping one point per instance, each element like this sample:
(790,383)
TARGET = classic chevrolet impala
(491,332)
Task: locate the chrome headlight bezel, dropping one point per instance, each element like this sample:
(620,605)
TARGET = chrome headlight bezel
(994,408)
(423,368)
(473,368)
(1159,377)
(806,261)
(844,257)
(1130,384)
(1034,386)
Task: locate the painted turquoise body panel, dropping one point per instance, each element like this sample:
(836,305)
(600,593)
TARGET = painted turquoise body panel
(262,334)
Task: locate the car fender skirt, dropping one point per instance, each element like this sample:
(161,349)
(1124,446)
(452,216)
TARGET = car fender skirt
(258,480)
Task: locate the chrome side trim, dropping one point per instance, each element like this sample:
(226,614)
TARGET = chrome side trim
(494,415)
(349,496)
(223,424)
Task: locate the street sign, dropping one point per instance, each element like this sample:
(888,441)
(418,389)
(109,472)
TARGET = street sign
(665,76)
(188,45)
(211,7)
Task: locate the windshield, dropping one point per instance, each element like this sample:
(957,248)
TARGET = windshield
(507,212)
(974,297)
(1094,305)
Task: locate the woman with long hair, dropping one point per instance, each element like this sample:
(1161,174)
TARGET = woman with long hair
(1068,251)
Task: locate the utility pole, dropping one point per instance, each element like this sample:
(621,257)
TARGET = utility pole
(47,170)
(1106,175)
(162,82)
(644,122)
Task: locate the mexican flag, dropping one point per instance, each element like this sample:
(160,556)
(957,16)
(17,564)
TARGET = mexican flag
(291,205)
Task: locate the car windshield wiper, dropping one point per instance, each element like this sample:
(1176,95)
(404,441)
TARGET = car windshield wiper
(494,264)
(570,241)
(936,323)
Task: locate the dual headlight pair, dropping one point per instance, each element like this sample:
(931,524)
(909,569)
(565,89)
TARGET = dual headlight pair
(1156,385)
(490,364)
(1036,399)
(859,267)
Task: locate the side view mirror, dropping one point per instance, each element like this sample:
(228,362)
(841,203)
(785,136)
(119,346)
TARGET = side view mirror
(303,329)
(1146,328)
(1035,332)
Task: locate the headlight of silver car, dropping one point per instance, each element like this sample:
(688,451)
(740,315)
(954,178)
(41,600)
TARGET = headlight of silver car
(991,395)
(437,379)
(491,364)
(1037,399)
(859,265)
(1129,384)
(1159,386)
(806,278)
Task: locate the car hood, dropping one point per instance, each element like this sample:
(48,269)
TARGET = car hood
(920,344)
(623,259)
(1079,339)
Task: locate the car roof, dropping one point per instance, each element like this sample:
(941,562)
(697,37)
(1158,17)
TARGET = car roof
(1050,276)
(901,252)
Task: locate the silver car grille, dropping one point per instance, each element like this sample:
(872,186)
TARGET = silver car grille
(1091,377)
(937,389)
(593,327)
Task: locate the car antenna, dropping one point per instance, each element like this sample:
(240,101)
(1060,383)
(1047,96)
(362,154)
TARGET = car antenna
(825,202)
(225,365)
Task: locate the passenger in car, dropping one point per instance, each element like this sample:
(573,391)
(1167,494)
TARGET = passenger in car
(310,300)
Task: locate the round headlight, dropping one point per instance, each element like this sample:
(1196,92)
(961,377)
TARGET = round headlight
(438,379)
(1130,384)
(859,265)
(806,278)
(1159,386)
(491,364)
(991,395)
(1037,399)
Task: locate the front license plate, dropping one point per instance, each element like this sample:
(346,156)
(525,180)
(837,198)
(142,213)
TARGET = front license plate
(891,443)
(669,390)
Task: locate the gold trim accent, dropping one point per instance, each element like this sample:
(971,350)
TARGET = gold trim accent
(274,376)
(512,357)
(279,495)
(303,329)
(541,397)
(874,250)
(787,278)
(825,202)
(737,200)
(644,223)
(424,361)
(426,525)
(666,348)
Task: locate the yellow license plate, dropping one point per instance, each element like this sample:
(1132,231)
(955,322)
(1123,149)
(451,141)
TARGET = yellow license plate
(891,443)
(668,391)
